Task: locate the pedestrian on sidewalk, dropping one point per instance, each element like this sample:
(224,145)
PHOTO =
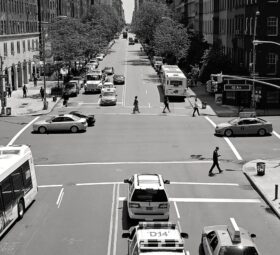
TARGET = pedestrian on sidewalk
(215,161)
(42,92)
(9,90)
(65,99)
(135,105)
(195,108)
(35,81)
(24,89)
(166,104)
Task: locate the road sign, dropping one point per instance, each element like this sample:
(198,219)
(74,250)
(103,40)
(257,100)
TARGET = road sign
(237,87)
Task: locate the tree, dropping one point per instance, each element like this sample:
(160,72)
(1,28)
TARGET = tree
(171,41)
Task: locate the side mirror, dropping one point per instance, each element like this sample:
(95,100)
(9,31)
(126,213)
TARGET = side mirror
(166,182)
(127,181)
(253,236)
(126,235)
(184,235)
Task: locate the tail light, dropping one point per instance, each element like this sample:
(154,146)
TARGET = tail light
(163,206)
(134,205)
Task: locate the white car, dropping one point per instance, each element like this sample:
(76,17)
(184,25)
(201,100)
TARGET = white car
(108,85)
(108,96)
(62,122)
(147,198)
(100,56)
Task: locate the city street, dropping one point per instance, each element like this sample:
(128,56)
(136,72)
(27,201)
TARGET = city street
(81,204)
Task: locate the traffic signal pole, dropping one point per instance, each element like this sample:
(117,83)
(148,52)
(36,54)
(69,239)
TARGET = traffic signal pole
(2,87)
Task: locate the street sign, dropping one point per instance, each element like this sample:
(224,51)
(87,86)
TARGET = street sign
(237,87)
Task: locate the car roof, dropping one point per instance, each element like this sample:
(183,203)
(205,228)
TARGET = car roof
(148,181)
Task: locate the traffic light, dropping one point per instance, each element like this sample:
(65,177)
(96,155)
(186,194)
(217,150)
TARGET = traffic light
(214,86)
(220,78)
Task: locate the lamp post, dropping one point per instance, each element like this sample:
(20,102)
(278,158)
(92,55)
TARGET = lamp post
(254,60)
(43,34)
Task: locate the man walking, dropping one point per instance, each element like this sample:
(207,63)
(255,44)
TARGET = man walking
(42,92)
(24,89)
(9,90)
(215,161)
(195,108)
(166,104)
(135,105)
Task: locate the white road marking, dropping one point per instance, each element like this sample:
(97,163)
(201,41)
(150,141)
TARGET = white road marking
(179,226)
(125,75)
(205,183)
(98,183)
(146,91)
(236,153)
(111,222)
(149,105)
(50,186)
(276,134)
(60,196)
(176,209)
(213,200)
(21,131)
(116,221)
(127,163)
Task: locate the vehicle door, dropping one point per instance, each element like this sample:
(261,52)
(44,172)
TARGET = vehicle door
(240,127)
(255,126)
(209,243)
(56,124)
(68,123)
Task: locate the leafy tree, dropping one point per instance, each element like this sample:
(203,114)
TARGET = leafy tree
(171,41)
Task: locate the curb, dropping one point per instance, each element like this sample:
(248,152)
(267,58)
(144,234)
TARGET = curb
(262,194)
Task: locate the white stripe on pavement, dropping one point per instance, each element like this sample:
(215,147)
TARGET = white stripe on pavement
(21,131)
(276,134)
(97,183)
(176,209)
(50,186)
(236,153)
(126,163)
(206,183)
(206,200)
(111,222)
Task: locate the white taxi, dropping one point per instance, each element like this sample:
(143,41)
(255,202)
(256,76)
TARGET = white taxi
(228,240)
(147,197)
(108,96)
(163,238)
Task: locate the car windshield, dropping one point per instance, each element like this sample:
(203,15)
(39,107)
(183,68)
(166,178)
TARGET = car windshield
(93,77)
(158,58)
(149,195)
(70,85)
(238,250)
(108,94)
(234,121)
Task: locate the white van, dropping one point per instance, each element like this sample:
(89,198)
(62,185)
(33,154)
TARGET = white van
(93,82)
(108,96)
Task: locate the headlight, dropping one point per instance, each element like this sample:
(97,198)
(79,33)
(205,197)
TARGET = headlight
(163,206)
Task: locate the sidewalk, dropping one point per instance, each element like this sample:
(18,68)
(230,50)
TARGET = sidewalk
(265,184)
(32,104)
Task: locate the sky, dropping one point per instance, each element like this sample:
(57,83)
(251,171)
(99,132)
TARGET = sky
(128,6)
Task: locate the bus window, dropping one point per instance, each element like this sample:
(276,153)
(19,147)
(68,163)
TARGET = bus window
(17,183)
(26,177)
(7,193)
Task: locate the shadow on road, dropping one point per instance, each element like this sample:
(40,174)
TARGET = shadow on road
(138,62)
(127,223)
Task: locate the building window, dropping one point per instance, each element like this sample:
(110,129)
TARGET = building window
(28,45)
(272,26)
(18,46)
(272,59)
(23,46)
(5,49)
(12,49)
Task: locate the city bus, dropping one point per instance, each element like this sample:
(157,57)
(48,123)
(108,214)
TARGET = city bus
(173,80)
(18,184)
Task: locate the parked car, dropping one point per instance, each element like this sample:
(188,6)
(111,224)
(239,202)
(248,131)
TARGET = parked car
(94,62)
(136,40)
(108,70)
(130,41)
(89,117)
(118,79)
(244,126)
(62,122)
(72,88)
(100,56)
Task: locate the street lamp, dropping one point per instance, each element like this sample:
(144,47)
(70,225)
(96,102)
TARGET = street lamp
(254,60)
(43,34)
(257,42)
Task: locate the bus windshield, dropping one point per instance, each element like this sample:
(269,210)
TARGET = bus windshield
(176,83)
(93,77)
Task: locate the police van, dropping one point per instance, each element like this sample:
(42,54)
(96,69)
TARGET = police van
(147,197)
(163,238)
(228,239)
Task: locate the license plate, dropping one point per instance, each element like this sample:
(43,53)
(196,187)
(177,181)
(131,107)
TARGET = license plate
(149,208)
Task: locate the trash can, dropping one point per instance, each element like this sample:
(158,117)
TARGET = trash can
(260,168)
(204,105)
(8,110)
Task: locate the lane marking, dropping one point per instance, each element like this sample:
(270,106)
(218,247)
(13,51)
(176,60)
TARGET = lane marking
(230,144)
(125,75)
(116,221)
(126,163)
(111,222)
(146,91)
(21,131)
(206,200)
(179,226)
(50,186)
(149,105)
(276,134)
(60,196)
(98,183)
(205,183)
(176,209)
(213,200)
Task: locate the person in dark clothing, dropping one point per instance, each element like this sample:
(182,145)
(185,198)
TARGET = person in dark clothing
(42,92)
(195,108)
(24,90)
(215,161)
(135,105)
(166,104)
(65,99)
(9,90)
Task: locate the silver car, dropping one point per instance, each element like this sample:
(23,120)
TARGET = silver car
(244,126)
(63,122)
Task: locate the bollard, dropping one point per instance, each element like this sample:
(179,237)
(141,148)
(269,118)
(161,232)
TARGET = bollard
(276,191)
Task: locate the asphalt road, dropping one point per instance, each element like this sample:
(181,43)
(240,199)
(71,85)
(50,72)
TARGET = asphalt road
(81,204)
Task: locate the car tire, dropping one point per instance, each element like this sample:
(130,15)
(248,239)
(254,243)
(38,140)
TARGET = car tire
(261,132)
(42,130)
(228,132)
(74,129)
(21,209)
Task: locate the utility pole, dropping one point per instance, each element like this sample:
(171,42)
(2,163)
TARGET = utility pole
(2,88)
(45,103)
